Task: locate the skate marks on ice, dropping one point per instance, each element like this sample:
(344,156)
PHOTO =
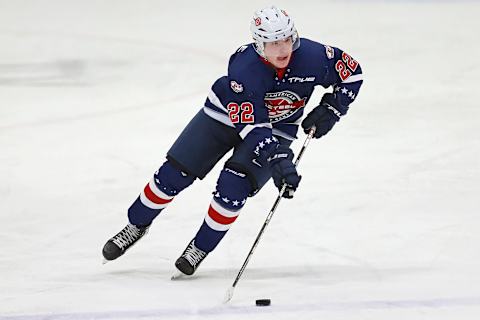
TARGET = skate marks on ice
(70,72)
(228,310)
(320,274)
(92,67)
(54,73)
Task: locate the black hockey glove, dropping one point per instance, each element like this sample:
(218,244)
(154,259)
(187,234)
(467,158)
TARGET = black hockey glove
(284,171)
(324,116)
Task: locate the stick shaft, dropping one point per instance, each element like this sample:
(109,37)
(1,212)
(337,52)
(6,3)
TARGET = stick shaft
(269,217)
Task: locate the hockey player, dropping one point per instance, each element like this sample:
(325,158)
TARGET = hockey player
(254,110)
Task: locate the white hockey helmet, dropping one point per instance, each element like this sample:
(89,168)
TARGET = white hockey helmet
(272,24)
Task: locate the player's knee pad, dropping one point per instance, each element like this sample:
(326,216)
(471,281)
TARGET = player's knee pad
(233,188)
(255,175)
(171,180)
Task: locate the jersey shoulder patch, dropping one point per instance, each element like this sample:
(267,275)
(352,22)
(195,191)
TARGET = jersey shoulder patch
(236,87)
(329,52)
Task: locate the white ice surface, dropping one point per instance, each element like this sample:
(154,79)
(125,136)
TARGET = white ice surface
(385,224)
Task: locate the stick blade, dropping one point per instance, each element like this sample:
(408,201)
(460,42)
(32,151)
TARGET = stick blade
(229,294)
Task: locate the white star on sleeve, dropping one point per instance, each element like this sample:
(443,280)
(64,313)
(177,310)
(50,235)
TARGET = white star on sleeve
(268,140)
(226,200)
(344,90)
(235,203)
(350,93)
(337,89)
(261,144)
(243,201)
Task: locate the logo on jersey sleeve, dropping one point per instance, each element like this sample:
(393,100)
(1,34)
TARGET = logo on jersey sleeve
(236,87)
(283,104)
(329,52)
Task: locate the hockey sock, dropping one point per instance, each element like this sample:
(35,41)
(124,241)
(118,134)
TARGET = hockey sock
(167,182)
(229,198)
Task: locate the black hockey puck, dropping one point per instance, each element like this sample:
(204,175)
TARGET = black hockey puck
(263,302)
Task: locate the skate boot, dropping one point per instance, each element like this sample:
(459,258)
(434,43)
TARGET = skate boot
(190,259)
(122,241)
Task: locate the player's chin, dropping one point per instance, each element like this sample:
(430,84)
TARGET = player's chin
(282,62)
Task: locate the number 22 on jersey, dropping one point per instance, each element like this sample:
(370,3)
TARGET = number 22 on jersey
(341,66)
(242,113)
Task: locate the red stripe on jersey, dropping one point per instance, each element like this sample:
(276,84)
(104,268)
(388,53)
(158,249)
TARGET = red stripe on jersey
(153,197)
(217,217)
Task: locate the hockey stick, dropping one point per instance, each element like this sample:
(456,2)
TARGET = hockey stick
(229,294)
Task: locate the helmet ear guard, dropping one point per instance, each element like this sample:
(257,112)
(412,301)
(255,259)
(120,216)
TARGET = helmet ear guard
(272,24)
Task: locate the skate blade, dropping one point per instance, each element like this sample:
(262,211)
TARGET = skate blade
(177,275)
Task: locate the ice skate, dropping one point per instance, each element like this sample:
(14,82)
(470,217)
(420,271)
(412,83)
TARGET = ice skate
(122,241)
(189,260)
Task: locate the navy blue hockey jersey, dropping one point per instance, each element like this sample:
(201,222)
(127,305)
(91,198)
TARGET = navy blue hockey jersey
(256,95)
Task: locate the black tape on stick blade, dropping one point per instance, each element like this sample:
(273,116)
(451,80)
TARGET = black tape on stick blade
(263,302)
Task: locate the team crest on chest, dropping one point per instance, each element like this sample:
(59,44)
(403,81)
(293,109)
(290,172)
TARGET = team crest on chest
(283,104)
